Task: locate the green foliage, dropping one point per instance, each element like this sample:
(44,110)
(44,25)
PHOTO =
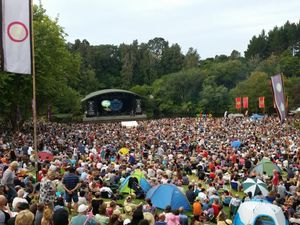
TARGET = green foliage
(214,98)
(178,93)
(57,69)
(229,73)
(292,90)
(277,41)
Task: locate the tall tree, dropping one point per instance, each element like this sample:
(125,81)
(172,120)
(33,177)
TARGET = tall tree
(258,46)
(191,59)
(57,73)
(129,60)
(172,59)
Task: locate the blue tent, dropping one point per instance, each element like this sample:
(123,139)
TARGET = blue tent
(236,144)
(168,194)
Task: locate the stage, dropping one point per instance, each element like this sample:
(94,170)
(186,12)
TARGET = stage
(115,118)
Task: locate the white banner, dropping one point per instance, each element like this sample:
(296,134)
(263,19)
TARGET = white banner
(16,36)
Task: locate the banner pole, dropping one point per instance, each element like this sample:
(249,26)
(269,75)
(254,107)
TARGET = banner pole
(34,117)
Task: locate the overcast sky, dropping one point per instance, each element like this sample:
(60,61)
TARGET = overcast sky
(213,27)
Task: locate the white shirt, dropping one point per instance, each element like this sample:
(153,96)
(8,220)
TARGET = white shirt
(151,172)
(202,197)
(29,150)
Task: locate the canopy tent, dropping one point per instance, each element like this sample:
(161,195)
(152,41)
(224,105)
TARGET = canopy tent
(259,212)
(142,182)
(255,186)
(266,165)
(168,194)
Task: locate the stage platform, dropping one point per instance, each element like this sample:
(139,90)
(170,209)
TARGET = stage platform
(114,118)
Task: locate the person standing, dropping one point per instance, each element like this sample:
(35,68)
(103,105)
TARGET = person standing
(19,198)
(275,180)
(71,183)
(190,194)
(48,189)
(8,180)
(234,205)
(4,216)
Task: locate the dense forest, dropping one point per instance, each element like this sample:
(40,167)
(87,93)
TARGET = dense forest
(172,82)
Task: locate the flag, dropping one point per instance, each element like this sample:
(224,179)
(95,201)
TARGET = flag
(245,102)
(16,46)
(278,96)
(238,103)
(261,102)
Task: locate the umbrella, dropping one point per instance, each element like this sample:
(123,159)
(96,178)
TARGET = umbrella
(124,151)
(43,156)
(236,144)
(255,186)
(266,165)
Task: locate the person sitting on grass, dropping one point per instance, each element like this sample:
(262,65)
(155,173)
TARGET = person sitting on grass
(226,198)
(101,216)
(83,218)
(96,203)
(161,219)
(184,220)
(234,204)
(60,217)
(197,209)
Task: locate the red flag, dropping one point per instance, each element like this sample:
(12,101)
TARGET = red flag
(245,102)
(16,46)
(261,102)
(238,103)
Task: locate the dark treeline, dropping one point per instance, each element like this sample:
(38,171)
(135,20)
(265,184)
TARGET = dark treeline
(173,83)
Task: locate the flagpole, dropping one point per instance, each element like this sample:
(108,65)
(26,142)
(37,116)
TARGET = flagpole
(33,89)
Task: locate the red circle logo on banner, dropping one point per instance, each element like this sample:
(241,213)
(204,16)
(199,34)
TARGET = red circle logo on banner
(17,31)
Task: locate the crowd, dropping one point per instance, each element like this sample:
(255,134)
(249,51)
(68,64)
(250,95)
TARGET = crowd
(78,184)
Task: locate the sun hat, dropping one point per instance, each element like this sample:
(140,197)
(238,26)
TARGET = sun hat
(128,209)
(228,221)
(82,208)
(126,221)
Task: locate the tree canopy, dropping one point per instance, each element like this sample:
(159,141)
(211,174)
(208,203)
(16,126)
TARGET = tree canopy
(175,83)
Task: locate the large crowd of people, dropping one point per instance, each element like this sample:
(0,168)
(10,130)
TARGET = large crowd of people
(80,169)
